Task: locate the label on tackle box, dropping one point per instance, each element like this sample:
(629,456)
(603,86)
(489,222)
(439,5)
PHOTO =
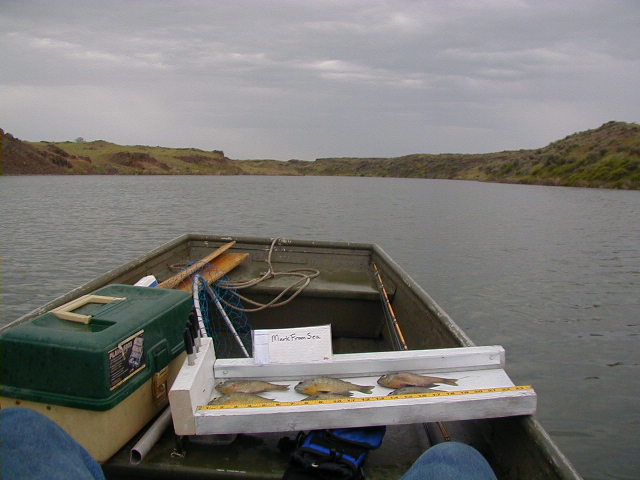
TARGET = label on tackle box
(126,359)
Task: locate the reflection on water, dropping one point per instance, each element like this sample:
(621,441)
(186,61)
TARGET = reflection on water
(550,273)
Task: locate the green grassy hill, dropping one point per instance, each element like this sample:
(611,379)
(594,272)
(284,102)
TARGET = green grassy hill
(102,157)
(607,157)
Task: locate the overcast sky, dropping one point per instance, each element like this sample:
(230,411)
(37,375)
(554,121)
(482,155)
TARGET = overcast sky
(314,78)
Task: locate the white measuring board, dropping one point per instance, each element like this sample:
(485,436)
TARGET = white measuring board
(483,390)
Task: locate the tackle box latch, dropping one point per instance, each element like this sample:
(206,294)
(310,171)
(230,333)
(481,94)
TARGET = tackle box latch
(159,385)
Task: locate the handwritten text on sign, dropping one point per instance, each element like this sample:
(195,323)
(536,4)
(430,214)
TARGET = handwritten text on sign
(292,345)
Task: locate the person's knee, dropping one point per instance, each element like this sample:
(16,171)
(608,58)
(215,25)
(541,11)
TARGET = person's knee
(453,450)
(450,460)
(17,423)
(35,444)
(464,458)
(17,414)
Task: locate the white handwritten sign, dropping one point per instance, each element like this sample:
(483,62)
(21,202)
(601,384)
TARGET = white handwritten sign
(292,345)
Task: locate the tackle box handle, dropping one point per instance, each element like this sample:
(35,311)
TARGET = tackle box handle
(65,312)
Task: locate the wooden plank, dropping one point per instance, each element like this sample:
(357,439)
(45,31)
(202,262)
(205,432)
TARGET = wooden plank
(215,269)
(191,269)
(483,390)
(465,380)
(357,414)
(192,387)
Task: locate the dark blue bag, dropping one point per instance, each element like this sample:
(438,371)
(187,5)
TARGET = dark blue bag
(336,454)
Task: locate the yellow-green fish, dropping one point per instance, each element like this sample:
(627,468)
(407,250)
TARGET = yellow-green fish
(407,379)
(327,396)
(320,385)
(248,386)
(410,390)
(240,399)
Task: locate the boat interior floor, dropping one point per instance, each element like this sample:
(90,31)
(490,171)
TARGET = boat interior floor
(256,456)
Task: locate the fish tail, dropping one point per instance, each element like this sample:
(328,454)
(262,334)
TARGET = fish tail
(365,388)
(450,381)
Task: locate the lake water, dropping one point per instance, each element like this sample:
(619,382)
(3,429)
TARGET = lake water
(550,273)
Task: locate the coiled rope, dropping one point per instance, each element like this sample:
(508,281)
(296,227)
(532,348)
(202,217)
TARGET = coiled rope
(304,275)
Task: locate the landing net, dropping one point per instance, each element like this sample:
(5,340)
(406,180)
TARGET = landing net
(229,328)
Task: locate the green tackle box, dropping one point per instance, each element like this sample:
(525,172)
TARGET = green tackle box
(104,358)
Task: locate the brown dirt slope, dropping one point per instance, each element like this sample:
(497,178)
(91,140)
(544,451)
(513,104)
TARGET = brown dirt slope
(20,158)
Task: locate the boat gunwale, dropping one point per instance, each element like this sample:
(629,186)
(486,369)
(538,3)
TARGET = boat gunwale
(560,462)
(181,240)
(410,283)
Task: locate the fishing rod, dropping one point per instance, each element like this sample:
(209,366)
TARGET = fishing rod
(396,332)
(392,322)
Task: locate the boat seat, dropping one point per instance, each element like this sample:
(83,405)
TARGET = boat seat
(327,284)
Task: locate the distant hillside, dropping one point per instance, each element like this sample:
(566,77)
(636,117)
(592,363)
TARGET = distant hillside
(21,158)
(104,158)
(607,157)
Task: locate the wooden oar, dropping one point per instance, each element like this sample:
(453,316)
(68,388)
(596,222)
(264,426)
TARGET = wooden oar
(215,269)
(191,269)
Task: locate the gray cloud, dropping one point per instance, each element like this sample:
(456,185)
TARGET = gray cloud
(292,79)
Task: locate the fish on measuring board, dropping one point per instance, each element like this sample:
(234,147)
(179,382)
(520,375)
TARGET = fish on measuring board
(411,390)
(327,396)
(407,379)
(316,386)
(240,399)
(248,386)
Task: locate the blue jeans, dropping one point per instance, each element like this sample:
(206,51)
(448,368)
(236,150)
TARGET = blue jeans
(450,461)
(35,447)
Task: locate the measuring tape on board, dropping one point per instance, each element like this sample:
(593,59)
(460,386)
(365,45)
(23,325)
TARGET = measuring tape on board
(370,399)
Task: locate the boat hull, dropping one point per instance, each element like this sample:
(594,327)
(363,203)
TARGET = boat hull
(345,295)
